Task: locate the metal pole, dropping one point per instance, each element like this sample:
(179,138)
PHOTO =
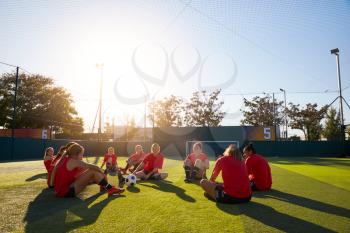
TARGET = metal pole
(113,127)
(100,113)
(274,114)
(144,123)
(14,113)
(340,97)
(285,113)
(15,103)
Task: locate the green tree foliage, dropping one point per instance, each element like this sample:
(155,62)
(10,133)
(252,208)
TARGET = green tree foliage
(166,112)
(332,129)
(40,104)
(204,109)
(260,111)
(307,119)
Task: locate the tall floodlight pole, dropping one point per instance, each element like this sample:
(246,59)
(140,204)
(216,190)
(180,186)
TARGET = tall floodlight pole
(100,66)
(144,121)
(14,113)
(285,113)
(274,114)
(336,53)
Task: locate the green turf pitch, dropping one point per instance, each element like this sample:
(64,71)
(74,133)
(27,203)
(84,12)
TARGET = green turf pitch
(309,195)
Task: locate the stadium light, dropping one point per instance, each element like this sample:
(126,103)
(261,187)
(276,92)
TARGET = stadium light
(285,112)
(100,66)
(336,53)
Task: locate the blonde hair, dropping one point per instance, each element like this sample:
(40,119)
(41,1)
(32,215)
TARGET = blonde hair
(199,144)
(153,146)
(232,150)
(138,145)
(74,149)
(111,148)
(47,150)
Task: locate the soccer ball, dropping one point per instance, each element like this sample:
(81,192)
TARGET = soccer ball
(130,180)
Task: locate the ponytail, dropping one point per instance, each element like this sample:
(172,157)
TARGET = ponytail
(232,150)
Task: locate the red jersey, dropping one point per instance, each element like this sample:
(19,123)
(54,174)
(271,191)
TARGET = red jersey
(110,158)
(65,178)
(52,165)
(137,157)
(151,162)
(234,175)
(192,157)
(259,171)
(47,164)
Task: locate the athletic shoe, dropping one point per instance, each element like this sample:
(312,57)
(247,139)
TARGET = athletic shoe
(122,183)
(114,191)
(207,196)
(187,180)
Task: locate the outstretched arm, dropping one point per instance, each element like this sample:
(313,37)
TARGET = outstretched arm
(216,171)
(138,167)
(81,164)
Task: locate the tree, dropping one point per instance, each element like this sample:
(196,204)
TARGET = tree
(204,109)
(40,104)
(166,112)
(307,119)
(260,111)
(332,129)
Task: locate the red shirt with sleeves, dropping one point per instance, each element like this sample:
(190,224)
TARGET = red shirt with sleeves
(234,175)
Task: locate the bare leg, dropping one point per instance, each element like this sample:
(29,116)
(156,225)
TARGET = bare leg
(85,179)
(140,174)
(209,187)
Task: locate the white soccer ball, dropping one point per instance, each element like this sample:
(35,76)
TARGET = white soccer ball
(130,180)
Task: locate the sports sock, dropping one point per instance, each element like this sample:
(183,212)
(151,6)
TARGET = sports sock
(105,184)
(188,172)
(195,172)
(120,177)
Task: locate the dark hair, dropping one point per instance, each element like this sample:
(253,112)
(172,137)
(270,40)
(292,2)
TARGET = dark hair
(250,147)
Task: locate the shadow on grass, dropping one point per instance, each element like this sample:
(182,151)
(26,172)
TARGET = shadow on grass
(269,216)
(167,186)
(37,176)
(304,202)
(46,213)
(311,161)
(133,189)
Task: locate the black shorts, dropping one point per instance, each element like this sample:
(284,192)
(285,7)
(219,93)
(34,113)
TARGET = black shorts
(71,192)
(111,170)
(253,186)
(223,197)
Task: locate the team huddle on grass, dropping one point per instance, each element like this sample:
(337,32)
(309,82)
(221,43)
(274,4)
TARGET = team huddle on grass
(68,174)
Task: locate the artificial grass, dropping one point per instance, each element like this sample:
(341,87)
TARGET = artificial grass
(300,201)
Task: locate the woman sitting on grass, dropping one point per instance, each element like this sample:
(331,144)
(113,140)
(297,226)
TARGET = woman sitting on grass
(149,168)
(196,164)
(52,170)
(73,174)
(235,188)
(259,171)
(48,158)
(134,160)
(110,159)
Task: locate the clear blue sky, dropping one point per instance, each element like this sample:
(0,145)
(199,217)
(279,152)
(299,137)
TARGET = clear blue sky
(241,46)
